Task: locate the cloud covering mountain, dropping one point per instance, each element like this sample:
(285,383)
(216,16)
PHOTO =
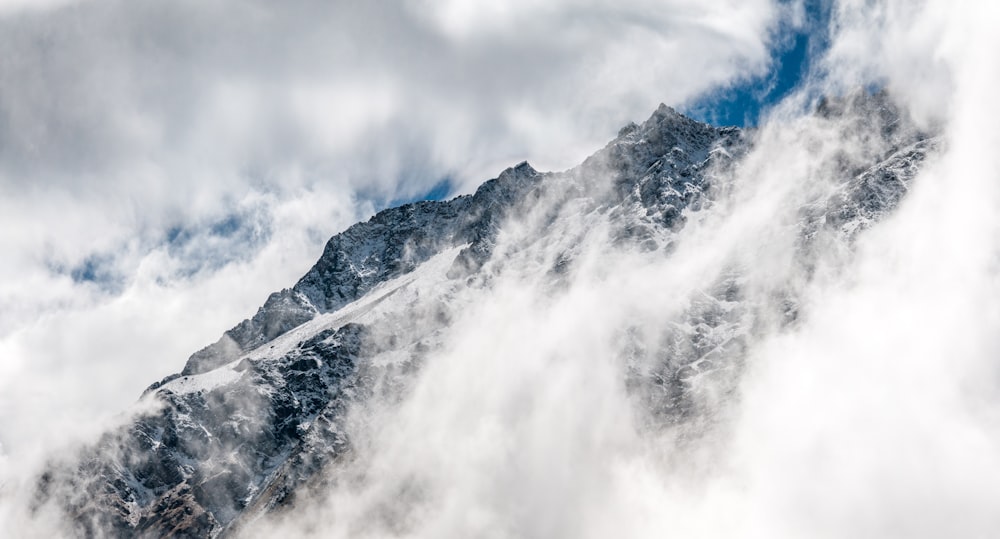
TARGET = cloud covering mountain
(165,166)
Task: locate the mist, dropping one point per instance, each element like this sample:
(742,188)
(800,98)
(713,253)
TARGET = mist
(846,385)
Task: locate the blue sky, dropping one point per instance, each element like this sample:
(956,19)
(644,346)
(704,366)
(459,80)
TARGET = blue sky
(744,102)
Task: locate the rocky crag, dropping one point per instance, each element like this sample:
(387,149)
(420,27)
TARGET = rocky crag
(258,417)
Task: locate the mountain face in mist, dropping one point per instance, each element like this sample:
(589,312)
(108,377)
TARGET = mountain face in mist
(279,411)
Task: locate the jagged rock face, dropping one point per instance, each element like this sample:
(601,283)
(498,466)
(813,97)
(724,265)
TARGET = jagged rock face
(390,244)
(256,417)
(196,462)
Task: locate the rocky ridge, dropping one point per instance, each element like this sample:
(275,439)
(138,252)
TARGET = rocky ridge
(257,417)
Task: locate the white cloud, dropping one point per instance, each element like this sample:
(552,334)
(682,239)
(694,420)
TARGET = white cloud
(13,7)
(880,413)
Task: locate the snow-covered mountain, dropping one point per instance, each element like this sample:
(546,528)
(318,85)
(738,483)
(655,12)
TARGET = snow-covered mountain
(279,410)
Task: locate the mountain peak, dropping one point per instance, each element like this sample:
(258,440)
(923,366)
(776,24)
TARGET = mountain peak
(520,169)
(665,109)
(266,412)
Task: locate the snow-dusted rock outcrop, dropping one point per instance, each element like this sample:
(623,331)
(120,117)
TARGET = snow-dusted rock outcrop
(255,418)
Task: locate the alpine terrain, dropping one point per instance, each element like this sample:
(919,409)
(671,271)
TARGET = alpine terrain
(427,355)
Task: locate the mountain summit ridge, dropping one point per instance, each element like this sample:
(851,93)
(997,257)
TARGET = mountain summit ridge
(340,277)
(263,415)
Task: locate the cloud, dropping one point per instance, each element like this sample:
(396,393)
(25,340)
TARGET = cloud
(166,165)
(102,87)
(158,182)
(877,417)
(8,7)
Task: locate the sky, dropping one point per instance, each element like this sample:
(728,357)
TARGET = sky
(164,166)
(745,100)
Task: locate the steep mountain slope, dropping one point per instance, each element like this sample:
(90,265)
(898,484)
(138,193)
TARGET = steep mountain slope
(263,415)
